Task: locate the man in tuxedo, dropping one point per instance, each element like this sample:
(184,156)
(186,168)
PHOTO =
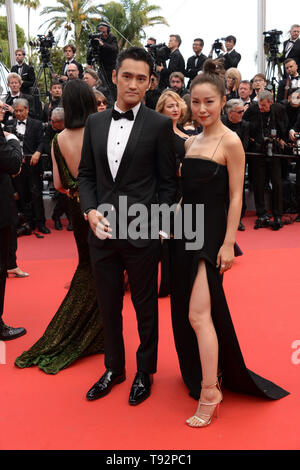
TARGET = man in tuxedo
(245,92)
(127,153)
(292,81)
(14,82)
(195,63)
(291,47)
(25,71)
(232,57)
(176,62)
(29,183)
(10,164)
(265,118)
(69,51)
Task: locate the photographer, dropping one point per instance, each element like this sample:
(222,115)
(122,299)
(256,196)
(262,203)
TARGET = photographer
(10,163)
(232,58)
(268,127)
(195,63)
(69,51)
(153,93)
(176,62)
(103,49)
(294,134)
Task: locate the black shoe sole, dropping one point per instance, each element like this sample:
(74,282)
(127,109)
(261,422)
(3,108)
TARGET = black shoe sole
(107,391)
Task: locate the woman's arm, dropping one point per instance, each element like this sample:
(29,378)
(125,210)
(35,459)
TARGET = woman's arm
(235,161)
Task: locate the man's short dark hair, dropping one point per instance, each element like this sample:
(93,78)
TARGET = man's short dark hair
(152,39)
(135,53)
(199,40)
(177,37)
(287,61)
(55,82)
(246,82)
(231,38)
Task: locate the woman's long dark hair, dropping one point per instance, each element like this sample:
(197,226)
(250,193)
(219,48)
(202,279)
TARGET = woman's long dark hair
(79,102)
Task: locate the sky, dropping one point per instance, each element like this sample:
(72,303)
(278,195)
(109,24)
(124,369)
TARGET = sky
(206,19)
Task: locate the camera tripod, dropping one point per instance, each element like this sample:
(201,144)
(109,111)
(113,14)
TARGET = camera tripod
(273,72)
(42,71)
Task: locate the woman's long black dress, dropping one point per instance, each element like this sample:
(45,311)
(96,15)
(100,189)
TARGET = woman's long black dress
(206,182)
(76,329)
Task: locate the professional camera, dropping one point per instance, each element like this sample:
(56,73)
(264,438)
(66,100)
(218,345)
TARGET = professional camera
(159,52)
(217,45)
(296,145)
(92,39)
(270,143)
(44,43)
(272,41)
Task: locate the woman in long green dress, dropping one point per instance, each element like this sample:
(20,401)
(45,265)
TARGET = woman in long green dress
(76,329)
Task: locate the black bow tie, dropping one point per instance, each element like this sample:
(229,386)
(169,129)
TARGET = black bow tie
(128,115)
(21,122)
(295,78)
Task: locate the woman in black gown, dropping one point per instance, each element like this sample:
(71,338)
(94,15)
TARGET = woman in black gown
(205,338)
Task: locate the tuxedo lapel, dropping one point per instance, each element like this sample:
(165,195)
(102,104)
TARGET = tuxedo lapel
(100,146)
(131,144)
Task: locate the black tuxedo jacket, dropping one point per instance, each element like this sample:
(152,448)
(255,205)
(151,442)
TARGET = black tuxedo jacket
(191,69)
(147,173)
(10,164)
(33,137)
(278,121)
(176,64)
(79,66)
(294,52)
(231,60)
(27,75)
(9,100)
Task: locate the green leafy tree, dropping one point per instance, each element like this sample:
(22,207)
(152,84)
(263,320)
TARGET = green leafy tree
(70,19)
(130,18)
(21,39)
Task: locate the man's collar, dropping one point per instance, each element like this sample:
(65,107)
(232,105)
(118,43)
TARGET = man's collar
(135,109)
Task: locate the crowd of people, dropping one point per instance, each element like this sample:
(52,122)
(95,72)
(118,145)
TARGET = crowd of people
(157,131)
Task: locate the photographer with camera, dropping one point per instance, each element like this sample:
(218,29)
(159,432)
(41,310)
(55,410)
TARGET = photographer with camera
(103,50)
(291,47)
(69,51)
(176,62)
(25,71)
(294,136)
(231,56)
(268,128)
(195,63)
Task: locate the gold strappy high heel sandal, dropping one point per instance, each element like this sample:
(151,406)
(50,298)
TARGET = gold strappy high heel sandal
(205,419)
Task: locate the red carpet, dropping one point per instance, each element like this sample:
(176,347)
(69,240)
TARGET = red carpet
(39,411)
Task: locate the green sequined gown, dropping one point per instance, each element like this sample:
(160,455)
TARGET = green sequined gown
(76,329)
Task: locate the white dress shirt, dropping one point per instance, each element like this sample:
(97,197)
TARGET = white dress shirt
(118,136)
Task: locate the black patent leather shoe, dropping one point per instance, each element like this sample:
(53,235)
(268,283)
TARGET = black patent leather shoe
(43,229)
(105,384)
(297,218)
(8,332)
(241,227)
(141,388)
(262,222)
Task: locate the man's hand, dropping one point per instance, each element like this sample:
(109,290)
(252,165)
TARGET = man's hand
(63,78)
(99,224)
(100,42)
(159,68)
(9,108)
(292,135)
(35,158)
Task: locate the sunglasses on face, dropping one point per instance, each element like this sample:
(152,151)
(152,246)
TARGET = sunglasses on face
(101,102)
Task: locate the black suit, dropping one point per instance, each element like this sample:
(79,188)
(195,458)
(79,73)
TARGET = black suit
(176,64)
(29,183)
(10,163)
(284,86)
(73,61)
(194,66)
(231,59)
(27,75)
(294,53)
(260,127)
(146,175)
(10,100)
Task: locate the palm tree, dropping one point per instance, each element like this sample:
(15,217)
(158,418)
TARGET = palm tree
(34,4)
(130,17)
(74,16)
